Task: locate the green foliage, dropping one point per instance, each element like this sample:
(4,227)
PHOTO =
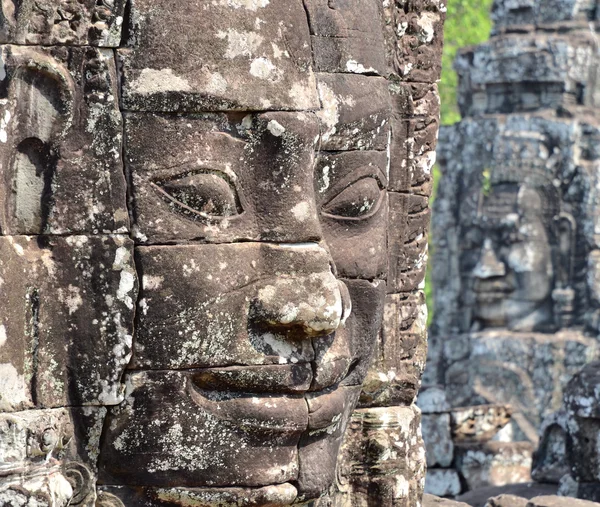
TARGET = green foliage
(467,23)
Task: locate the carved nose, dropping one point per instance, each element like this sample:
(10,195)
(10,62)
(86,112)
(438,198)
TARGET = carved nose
(489,266)
(312,305)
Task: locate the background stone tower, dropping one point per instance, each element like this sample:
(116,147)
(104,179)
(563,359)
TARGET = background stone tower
(516,236)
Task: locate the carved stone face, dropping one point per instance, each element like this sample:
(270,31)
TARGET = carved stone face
(250,349)
(193,231)
(513,274)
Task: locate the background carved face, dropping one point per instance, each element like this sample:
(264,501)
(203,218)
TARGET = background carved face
(509,261)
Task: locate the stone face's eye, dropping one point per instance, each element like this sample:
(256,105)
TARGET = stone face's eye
(359,200)
(207,193)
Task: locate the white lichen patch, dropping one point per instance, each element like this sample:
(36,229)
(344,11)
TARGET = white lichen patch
(152,81)
(241,44)
(276,128)
(3,336)
(265,69)
(4,121)
(14,392)
(302,211)
(357,68)
(126,285)
(329,113)
(251,5)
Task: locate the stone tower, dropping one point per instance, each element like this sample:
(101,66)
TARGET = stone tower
(213,222)
(516,222)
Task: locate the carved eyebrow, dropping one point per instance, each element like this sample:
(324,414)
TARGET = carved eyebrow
(367,171)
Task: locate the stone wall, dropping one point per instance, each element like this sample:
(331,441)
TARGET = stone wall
(213,229)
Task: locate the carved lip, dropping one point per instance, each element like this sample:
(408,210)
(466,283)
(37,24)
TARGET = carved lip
(275,409)
(274,379)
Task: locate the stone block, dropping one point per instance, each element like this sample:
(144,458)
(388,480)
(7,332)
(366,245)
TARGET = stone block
(550,459)
(347,38)
(436,501)
(64,441)
(509,15)
(558,501)
(399,358)
(493,463)
(245,164)
(346,181)
(383,457)
(504,75)
(433,400)
(60,142)
(415,38)
(439,447)
(172,432)
(67,321)
(251,57)
(442,482)
(479,423)
(355,112)
(62,22)
(499,362)
(278,496)
(507,501)
(407,241)
(415,125)
(218,306)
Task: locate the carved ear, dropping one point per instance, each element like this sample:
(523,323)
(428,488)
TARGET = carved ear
(38,114)
(565,229)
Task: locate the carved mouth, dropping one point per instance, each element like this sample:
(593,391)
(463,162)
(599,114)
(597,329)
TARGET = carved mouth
(487,292)
(294,378)
(236,394)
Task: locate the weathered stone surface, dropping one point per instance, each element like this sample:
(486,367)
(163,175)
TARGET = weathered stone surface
(209,178)
(507,75)
(507,501)
(527,490)
(479,423)
(61,444)
(494,463)
(432,400)
(66,328)
(557,501)
(439,447)
(226,318)
(568,486)
(517,369)
(348,184)
(507,14)
(442,482)
(251,153)
(60,143)
(270,496)
(415,38)
(247,56)
(347,37)
(399,357)
(409,219)
(69,22)
(356,112)
(550,459)
(436,501)
(415,126)
(172,432)
(383,458)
